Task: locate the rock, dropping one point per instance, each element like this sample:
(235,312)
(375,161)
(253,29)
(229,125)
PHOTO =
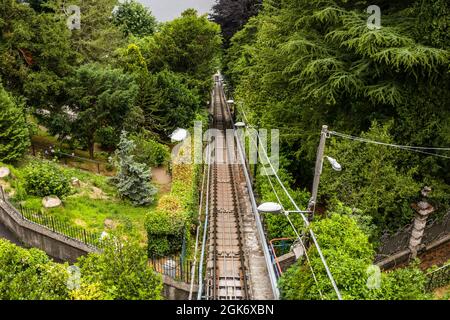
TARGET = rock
(75,182)
(51,202)
(110,224)
(4,172)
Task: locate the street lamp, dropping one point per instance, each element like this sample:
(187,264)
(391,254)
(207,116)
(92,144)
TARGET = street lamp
(276,208)
(270,207)
(240,125)
(179,135)
(334,164)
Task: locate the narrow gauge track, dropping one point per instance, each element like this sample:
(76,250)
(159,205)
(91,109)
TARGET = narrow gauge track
(225,277)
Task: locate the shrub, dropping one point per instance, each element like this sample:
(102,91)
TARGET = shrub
(165,227)
(277,225)
(371,180)
(44,178)
(30,275)
(149,151)
(349,255)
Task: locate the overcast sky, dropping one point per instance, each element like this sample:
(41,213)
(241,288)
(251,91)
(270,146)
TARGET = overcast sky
(165,10)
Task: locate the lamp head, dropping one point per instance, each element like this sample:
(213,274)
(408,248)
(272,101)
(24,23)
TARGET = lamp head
(334,164)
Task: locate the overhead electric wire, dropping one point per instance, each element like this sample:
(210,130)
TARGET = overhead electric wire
(313,237)
(296,232)
(402,147)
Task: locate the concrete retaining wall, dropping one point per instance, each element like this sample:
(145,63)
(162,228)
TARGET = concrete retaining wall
(174,290)
(33,235)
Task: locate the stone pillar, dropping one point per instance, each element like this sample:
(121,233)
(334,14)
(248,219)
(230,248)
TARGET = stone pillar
(423,210)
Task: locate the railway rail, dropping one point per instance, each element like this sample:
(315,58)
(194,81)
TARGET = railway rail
(226,270)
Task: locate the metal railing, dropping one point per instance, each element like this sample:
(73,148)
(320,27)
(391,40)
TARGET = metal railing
(50,152)
(399,241)
(53,223)
(175,267)
(282,247)
(438,278)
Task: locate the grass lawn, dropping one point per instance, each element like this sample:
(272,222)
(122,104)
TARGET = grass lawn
(93,205)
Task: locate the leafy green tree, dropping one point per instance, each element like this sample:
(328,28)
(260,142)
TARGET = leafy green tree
(167,103)
(135,19)
(301,64)
(97,97)
(121,271)
(14,134)
(30,275)
(349,255)
(189,45)
(35,51)
(232,15)
(98,37)
(133,178)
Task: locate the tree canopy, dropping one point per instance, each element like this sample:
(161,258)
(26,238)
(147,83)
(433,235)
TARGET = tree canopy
(14,134)
(232,15)
(97,97)
(135,19)
(301,64)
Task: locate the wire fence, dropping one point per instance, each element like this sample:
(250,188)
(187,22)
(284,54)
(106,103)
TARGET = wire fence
(438,278)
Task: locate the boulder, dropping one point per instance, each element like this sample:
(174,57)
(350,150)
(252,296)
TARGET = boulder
(4,172)
(75,182)
(51,202)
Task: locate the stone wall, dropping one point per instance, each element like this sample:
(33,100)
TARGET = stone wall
(435,253)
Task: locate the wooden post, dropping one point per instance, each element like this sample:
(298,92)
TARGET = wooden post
(423,210)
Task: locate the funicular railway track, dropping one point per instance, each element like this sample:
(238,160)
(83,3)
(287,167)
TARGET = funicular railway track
(225,277)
